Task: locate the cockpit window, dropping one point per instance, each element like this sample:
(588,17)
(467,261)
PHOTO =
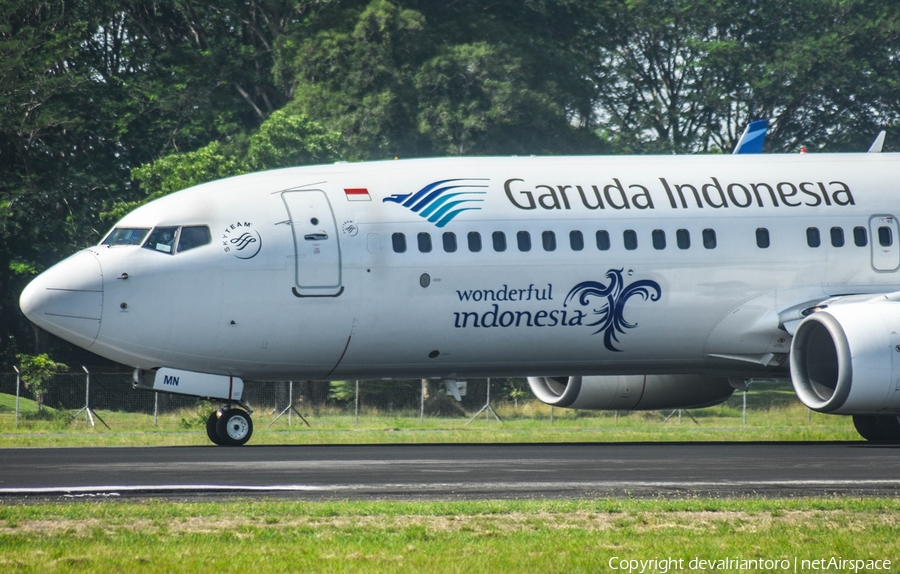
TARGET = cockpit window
(162,239)
(193,236)
(125,236)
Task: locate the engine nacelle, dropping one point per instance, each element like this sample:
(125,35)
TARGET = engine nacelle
(845,359)
(632,392)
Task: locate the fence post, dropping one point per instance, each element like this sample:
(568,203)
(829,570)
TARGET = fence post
(18,381)
(422,402)
(88,413)
(744,412)
(357,401)
(155,409)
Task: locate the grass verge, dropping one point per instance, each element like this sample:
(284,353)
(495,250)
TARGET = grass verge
(486,536)
(773,414)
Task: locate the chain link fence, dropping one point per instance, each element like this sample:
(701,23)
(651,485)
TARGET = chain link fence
(113,391)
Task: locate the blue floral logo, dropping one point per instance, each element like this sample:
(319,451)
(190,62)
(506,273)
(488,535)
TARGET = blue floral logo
(613,297)
(441,201)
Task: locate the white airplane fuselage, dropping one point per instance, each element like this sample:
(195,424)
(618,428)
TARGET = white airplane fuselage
(702,265)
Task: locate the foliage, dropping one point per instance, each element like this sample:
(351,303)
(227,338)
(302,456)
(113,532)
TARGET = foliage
(196,418)
(383,394)
(37,370)
(287,139)
(284,139)
(685,76)
(413,79)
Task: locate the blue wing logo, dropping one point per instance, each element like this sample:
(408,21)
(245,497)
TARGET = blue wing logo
(611,314)
(441,201)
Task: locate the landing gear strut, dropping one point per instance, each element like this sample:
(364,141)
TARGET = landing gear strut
(229,426)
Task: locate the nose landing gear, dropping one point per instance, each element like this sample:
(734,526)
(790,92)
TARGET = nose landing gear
(229,426)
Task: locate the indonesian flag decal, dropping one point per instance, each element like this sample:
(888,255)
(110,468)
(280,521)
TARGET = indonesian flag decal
(357,194)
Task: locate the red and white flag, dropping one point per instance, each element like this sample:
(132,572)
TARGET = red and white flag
(357,194)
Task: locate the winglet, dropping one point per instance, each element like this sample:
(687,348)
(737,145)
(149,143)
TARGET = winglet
(753,137)
(878,143)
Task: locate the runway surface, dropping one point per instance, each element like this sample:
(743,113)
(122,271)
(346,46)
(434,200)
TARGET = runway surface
(459,471)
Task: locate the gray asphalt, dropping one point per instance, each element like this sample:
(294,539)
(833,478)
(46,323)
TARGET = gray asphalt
(458,471)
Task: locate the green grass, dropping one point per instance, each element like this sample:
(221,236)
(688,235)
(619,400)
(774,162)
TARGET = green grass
(486,536)
(773,414)
(27,407)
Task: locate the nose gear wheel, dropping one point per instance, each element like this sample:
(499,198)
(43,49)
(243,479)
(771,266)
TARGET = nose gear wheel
(229,427)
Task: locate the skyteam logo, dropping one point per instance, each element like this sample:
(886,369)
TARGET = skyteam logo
(441,201)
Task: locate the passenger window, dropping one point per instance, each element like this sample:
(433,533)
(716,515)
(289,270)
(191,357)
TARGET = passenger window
(812,237)
(523,239)
(630,238)
(709,238)
(424,242)
(162,239)
(125,236)
(193,236)
(762,238)
(548,239)
(576,240)
(837,236)
(499,239)
(398,240)
(683,239)
(474,241)
(659,239)
(885,237)
(603,240)
(860,237)
(449,239)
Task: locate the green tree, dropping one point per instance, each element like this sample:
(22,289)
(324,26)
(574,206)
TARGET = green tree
(37,371)
(685,76)
(288,139)
(283,140)
(424,78)
(476,99)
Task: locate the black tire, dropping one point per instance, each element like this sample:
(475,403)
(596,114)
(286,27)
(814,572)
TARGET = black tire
(211,431)
(889,426)
(867,427)
(234,427)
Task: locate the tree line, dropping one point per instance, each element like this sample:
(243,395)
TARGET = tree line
(105,104)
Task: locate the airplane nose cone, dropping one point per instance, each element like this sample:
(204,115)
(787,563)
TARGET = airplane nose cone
(67,299)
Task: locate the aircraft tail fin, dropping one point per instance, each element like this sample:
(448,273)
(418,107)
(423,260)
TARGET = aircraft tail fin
(753,137)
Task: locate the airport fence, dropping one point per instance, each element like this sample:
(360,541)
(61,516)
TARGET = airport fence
(113,391)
